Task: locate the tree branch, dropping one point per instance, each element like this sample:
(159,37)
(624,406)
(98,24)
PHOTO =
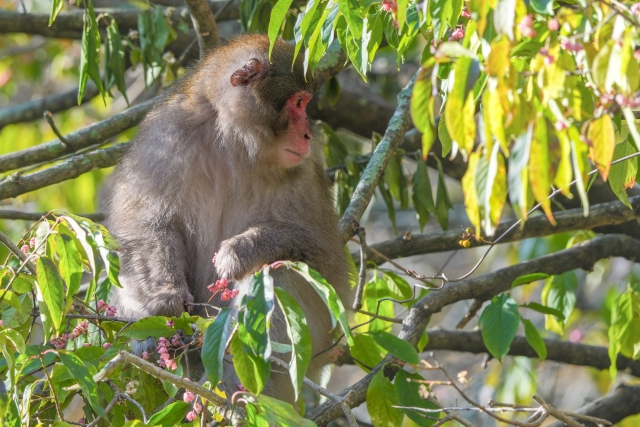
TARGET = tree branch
(74,166)
(609,213)
(70,24)
(398,126)
(33,110)
(559,351)
(204,23)
(83,138)
(622,402)
(483,288)
(34,216)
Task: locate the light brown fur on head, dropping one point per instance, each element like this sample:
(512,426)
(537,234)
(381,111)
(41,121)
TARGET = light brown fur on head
(212,170)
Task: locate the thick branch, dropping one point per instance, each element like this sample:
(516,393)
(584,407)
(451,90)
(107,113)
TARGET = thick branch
(86,137)
(483,288)
(610,213)
(204,23)
(69,24)
(398,126)
(33,110)
(559,351)
(622,402)
(74,166)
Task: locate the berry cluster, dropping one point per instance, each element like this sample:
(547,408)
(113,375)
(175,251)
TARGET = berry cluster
(103,307)
(165,359)
(221,286)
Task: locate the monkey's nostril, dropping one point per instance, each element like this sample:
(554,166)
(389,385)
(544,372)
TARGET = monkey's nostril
(299,103)
(306,136)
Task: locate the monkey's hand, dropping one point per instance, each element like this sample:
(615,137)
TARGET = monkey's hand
(172,301)
(236,258)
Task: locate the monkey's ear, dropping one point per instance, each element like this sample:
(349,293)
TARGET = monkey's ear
(247,73)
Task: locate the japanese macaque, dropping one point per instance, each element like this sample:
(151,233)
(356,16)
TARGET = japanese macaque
(229,163)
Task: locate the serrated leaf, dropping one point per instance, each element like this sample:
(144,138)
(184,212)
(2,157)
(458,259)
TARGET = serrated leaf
(51,292)
(624,332)
(351,11)
(300,337)
(422,195)
(601,133)
(84,377)
(216,339)
(499,323)
(396,346)
(381,397)
(623,175)
(559,293)
(534,339)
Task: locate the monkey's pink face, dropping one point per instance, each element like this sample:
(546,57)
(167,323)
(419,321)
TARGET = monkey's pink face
(298,140)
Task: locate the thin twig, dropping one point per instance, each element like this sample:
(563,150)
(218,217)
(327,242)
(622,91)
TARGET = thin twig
(17,252)
(362,276)
(49,118)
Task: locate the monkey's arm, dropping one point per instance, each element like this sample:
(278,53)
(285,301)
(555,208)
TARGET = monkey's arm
(153,272)
(263,244)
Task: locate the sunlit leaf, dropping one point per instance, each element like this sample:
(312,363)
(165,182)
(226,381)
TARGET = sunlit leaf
(559,293)
(51,291)
(83,374)
(300,337)
(381,397)
(499,323)
(539,167)
(215,343)
(623,174)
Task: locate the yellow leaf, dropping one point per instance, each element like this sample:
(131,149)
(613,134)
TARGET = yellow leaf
(468,114)
(539,167)
(499,59)
(469,190)
(601,133)
(564,172)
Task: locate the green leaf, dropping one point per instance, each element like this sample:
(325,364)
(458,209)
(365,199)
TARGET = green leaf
(544,309)
(528,278)
(254,323)
(84,377)
(351,11)
(399,348)
(375,290)
(422,195)
(534,339)
(328,295)
(11,299)
(456,100)
(624,332)
(115,63)
(441,12)
(398,287)
(15,337)
(23,283)
(244,365)
(539,167)
(152,326)
(278,13)
(559,292)
(90,55)
(366,350)
(265,411)
(50,295)
(388,201)
(56,7)
(381,396)
(499,322)
(170,415)
(70,265)
(216,339)
(623,175)
(443,202)
(396,181)
(300,337)
(408,395)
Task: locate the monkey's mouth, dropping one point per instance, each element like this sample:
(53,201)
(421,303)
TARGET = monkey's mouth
(293,152)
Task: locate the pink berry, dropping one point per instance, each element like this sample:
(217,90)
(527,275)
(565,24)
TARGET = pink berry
(191,415)
(171,364)
(102,306)
(169,323)
(553,24)
(106,345)
(526,26)
(32,242)
(197,407)
(560,126)
(86,344)
(226,295)
(466,14)
(622,100)
(188,396)
(457,34)
(1,322)
(635,9)
(144,355)
(25,249)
